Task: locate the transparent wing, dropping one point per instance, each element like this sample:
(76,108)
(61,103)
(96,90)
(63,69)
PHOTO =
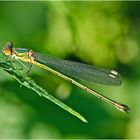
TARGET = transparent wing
(80,71)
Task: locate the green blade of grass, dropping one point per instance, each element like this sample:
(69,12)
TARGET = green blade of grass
(18,74)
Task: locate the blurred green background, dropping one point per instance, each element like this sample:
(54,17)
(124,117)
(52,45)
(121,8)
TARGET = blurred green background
(105,34)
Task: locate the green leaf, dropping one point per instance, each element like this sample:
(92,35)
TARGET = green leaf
(18,74)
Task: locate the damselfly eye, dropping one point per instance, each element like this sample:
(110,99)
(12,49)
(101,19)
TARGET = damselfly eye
(9,45)
(8,48)
(7,51)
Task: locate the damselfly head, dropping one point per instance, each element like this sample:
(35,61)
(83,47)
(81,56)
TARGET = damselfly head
(8,49)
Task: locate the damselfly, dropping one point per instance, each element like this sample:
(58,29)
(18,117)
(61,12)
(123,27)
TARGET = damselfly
(70,71)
